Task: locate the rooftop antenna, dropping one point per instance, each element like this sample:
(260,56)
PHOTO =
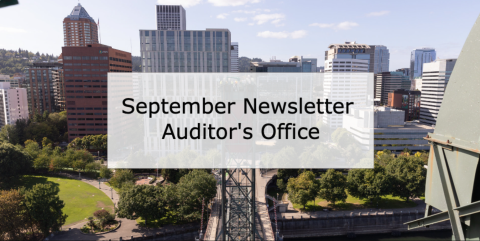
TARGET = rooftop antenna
(99,34)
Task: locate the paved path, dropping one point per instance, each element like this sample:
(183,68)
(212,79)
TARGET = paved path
(128,228)
(260,185)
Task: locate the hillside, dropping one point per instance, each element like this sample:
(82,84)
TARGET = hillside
(15,61)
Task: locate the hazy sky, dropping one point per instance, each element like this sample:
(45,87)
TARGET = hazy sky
(263,28)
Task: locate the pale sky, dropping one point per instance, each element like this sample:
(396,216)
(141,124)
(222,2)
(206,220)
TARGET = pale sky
(263,28)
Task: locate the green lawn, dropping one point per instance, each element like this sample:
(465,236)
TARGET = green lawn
(81,199)
(354,203)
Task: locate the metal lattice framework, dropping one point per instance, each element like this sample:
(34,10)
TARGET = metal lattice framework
(238,205)
(453,178)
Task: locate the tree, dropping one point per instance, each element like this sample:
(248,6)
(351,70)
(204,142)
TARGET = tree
(92,167)
(103,217)
(368,183)
(408,177)
(45,207)
(284,174)
(14,219)
(121,177)
(141,201)
(105,172)
(191,189)
(303,188)
(8,133)
(46,142)
(13,163)
(332,186)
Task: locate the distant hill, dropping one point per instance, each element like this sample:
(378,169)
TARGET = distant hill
(244,63)
(15,61)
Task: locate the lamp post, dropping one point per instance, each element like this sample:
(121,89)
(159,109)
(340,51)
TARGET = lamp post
(111,192)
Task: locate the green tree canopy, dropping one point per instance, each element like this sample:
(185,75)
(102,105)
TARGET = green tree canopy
(368,183)
(45,207)
(332,186)
(121,177)
(191,189)
(408,176)
(303,188)
(13,163)
(143,201)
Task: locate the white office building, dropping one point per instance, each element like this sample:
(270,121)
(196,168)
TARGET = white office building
(377,57)
(234,57)
(180,51)
(346,65)
(13,104)
(171,17)
(434,82)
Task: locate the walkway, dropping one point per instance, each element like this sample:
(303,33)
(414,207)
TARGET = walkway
(261,182)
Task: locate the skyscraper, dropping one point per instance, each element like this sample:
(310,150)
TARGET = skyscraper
(376,56)
(185,50)
(234,56)
(86,86)
(434,82)
(13,104)
(41,81)
(387,82)
(171,17)
(79,29)
(419,57)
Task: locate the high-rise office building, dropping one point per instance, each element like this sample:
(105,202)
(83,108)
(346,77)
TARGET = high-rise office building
(419,57)
(234,56)
(406,100)
(387,82)
(434,82)
(13,104)
(346,65)
(377,56)
(79,29)
(185,50)
(171,17)
(40,82)
(85,73)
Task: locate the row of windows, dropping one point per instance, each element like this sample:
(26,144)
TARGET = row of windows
(91,129)
(87,124)
(88,119)
(87,113)
(103,70)
(86,86)
(85,80)
(85,57)
(84,64)
(87,97)
(85,75)
(120,60)
(87,108)
(86,91)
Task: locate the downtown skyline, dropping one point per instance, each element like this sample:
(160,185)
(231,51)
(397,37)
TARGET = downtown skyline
(263,28)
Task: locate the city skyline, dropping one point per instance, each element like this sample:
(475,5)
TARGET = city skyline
(261,27)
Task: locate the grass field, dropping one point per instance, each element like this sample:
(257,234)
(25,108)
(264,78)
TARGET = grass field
(354,203)
(81,199)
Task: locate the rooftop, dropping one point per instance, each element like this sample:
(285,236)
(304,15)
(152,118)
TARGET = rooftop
(79,12)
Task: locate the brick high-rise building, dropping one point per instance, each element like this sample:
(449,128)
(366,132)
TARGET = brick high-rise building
(79,29)
(85,76)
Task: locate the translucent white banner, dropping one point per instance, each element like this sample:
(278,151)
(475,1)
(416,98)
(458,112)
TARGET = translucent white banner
(250,120)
